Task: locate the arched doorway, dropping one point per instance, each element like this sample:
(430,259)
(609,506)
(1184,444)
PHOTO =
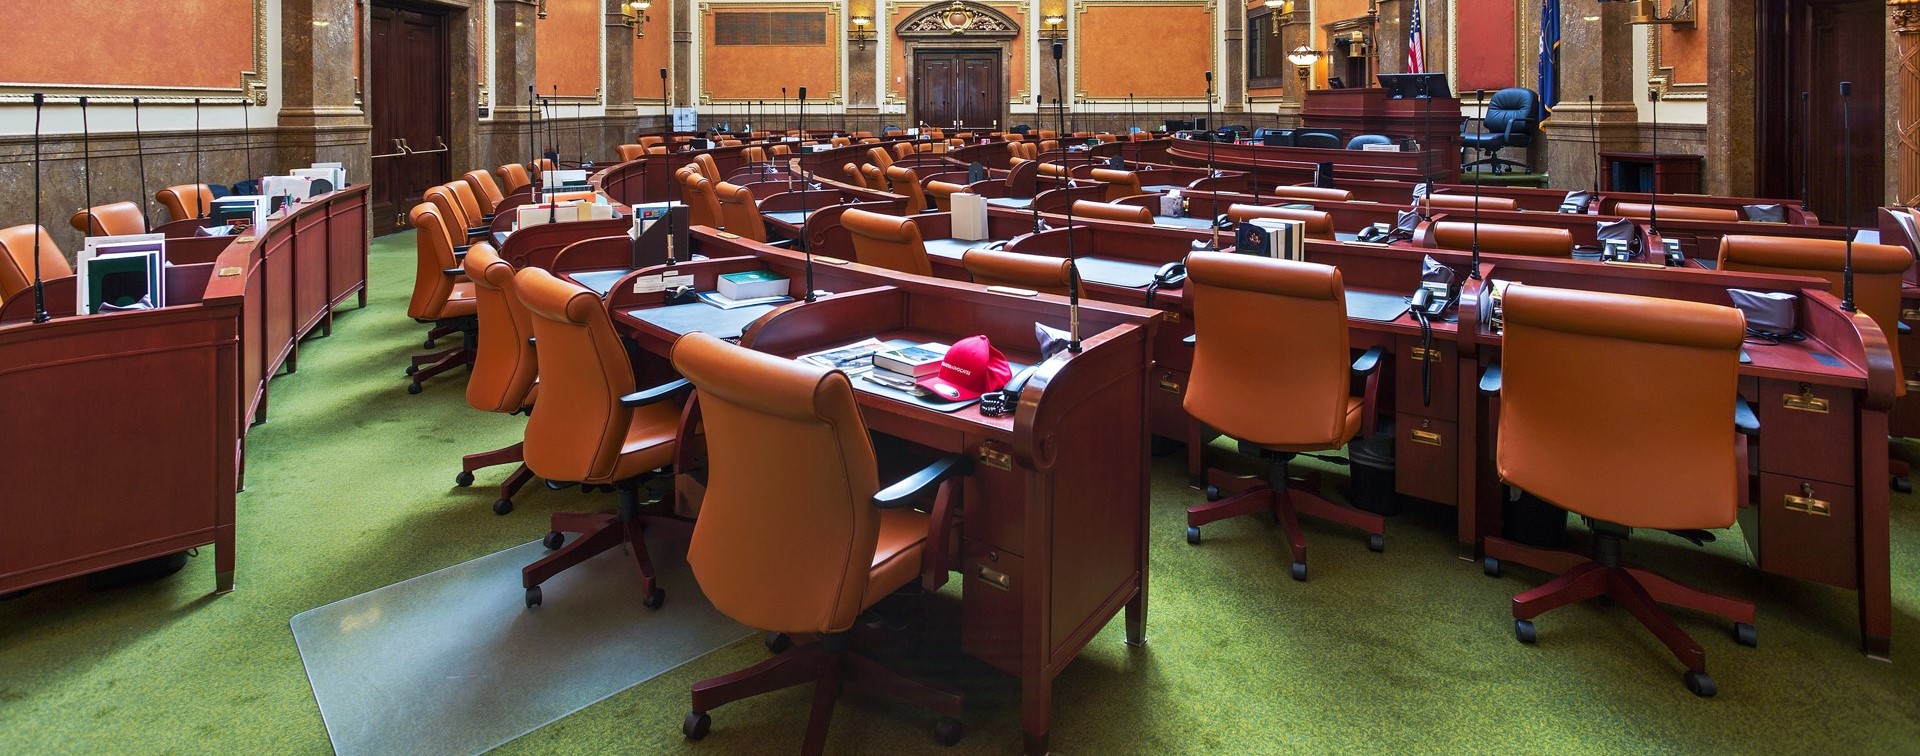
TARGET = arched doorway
(957,64)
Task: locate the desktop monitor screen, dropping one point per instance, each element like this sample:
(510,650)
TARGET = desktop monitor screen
(1414,86)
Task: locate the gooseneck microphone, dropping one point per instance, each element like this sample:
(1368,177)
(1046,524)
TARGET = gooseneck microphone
(199,194)
(803,116)
(1256,161)
(1213,174)
(1480,104)
(1653,207)
(1846,192)
(140,150)
(553,198)
(666,111)
(39,286)
(1073,266)
(1806,145)
(1593,138)
(246,135)
(86,163)
(533,149)
(786,117)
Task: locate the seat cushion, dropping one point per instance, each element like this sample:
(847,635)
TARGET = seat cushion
(460,303)
(650,441)
(1490,140)
(1348,428)
(896,554)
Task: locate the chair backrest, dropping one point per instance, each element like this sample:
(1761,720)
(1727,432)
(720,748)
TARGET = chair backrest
(651,141)
(114,219)
(880,157)
(544,165)
(1316,193)
(1571,398)
(941,193)
(433,254)
(185,201)
(1112,212)
(656,149)
(1049,134)
(739,212)
(1319,224)
(485,189)
(876,177)
(1466,202)
(1267,328)
(855,176)
(576,433)
(503,362)
(469,202)
(903,149)
(730,142)
(1877,270)
(1048,275)
(703,209)
(1677,212)
(1046,145)
(754,154)
(1360,142)
(1509,105)
(630,152)
(1119,183)
(1316,139)
(887,241)
(1499,238)
(513,177)
(451,215)
(841,142)
(779,150)
(708,168)
(907,184)
(1053,169)
(16,259)
(787,527)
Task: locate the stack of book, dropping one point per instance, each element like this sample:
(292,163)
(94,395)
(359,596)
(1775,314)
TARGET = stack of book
(901,367)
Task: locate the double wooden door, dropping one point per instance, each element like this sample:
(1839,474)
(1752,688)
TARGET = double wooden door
(410,98)
(958,89)
(1810,46)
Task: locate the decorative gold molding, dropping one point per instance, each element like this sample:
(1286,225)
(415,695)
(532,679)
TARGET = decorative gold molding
(836,38)
(252,89)
(1003,39)
(1660,76)
(1080,24)
(1904,16)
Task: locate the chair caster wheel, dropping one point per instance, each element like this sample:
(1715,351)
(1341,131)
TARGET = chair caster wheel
(411,369)
(696,725)
(1193,536)
(464,479)
(502,506)
(1213,493)
(1523,631)
(554,540)
(428,344)
(1300,571)
(1490,566)
(413,388)
(533,597)
(1745,635)
(1903,485)
(654,599)
(1376,543)
(1701,684)
(777,642)
(948,731)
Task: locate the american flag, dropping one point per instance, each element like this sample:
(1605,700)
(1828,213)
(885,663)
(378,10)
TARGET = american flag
(1416,44)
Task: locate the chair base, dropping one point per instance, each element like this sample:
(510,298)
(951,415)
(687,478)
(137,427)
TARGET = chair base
(424,366)
(628,527)
(503,456)
(1277,496)
(1639,590)
(828,664)
(1494,159)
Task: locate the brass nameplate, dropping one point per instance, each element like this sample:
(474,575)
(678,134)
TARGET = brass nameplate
(244,239)
(1169,386)
(1170,316)
(995,458)
(1913,386)
(1422,353)
(1807,504)
(1429,438)
(995,578)
(1804,403)
(231,271)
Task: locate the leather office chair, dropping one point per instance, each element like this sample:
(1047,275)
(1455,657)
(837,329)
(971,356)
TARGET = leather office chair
(1317,139)
(485,190)
(703,209)
(651,141)
(462,229)
(730,143)
(514,177)
(1499,238)
(1311,193)
(1119,183)
(656,149)
(1046,145)
(16,259)
(754,154)
(114,219)
(185,201)
(630,152)
(1568,404)
(441,296)
(880,157)
(903,150)
(503,365)
(1106,138)
(708,167)
(941,193)
(1466,202)
(1046,134)
(739,212)
(855,176)
(1266,328)
(1111,212)
(593,428)
(544,165)
(1319,224)
(1055,170)
(469,203)
(1677,212)
(876,177)
(887,241)
(907,184)
(838,142)
(1509,122)
(796,537)
(1041,273)
(1362,141)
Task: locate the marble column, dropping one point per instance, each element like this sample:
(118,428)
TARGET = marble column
(1594,61)
(513,72)
(1234,93)
(319,120)
(683,93)
(1390,44)
(616,92)
(1730,53)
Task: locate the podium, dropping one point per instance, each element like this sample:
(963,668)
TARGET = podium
(1372,111)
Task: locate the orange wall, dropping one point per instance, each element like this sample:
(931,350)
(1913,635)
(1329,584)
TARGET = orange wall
(1487,50)
(1148,49)
(902,66)
(1686,49)
(758,72)
(567,48)
(176,43)
(650,52)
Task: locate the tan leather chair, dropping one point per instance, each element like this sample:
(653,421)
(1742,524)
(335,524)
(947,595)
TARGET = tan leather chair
(1046,145)
(630,152)
(593,428)
(1266,328)
(651,141)
(441,296)
(708,167)
(656,149)
(879,156)
(876,177)
(1106,138)
(903,150)
(838,142)
(185,201)
(887,241)
(730,143)
(115,219)
(1108,211)
(485,190)
(1502,239)
(1041,273)
(469,203)
(941,194)
(739,213)
(514,177)
(1046,134)
(1568,405)
(855,176)
(754,154)
(1677,212)
(1319,224)
(503,365)
(1877,273)
(460,228)
(796,537)
(703,209)
(1119,183)
(907,184)
(544,165)
(1465,202)
(16,259)
(1139,136)
(1055,170)
(1311,193)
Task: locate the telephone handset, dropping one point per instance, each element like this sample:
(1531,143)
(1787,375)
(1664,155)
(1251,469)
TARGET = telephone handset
(1172,275)
(1005,401)
(1439,291)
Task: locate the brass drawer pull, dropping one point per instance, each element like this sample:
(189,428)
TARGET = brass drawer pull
(995,458)
(1804,401)
(1422,353)
(1169,386)
(1805,503)
(1913,386)
(1910,314)
(1429,438)
(995,578)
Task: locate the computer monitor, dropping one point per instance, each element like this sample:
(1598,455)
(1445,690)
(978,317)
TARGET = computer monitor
(1174,125)
(1415,86)
(1277,138)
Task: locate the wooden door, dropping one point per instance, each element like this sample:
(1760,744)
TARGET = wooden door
(1810,46)
(957,89)
(410,93)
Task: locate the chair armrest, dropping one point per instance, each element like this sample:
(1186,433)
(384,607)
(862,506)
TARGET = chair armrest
(1370,361)
(454,272)
(1514,125)
(1490,381)
(1744,420)
(460,250)
(923,482)
(478,230)
(656,394)
(488,219)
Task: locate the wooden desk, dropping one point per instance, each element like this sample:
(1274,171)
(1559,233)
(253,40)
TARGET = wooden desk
(1666,172)
(1367,110)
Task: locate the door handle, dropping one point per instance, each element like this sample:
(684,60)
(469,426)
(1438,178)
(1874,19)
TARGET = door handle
(399,150)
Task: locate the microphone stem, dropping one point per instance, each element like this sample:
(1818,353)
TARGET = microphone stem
(39,285)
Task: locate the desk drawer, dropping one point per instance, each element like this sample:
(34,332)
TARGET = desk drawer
(1426,460)
(993,497)
(1166,395)
(991,598)
(1807,529)
(1806,431)
(1407,354)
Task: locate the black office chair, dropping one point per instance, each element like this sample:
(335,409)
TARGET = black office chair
(1361,142)
(1510,121)
(1326,140)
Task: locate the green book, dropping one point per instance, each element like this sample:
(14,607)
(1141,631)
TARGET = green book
(752,284)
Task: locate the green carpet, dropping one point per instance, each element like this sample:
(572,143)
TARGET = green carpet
(350,489)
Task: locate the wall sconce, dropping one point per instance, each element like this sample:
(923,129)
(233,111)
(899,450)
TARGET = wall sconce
(1282,13)
(862,30)
(543,9)
(1303,58)
(1055,28)
(635,14)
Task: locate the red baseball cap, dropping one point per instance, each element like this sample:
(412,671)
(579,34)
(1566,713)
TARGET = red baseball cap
(972,367)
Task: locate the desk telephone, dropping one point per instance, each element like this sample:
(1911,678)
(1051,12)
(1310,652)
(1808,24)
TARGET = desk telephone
(1172,275)
(1439,291)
